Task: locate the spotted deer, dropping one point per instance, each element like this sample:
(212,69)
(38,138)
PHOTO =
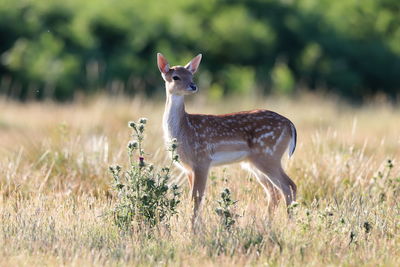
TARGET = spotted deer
(257,137)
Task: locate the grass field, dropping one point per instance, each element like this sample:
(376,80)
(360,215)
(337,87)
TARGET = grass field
(55,192)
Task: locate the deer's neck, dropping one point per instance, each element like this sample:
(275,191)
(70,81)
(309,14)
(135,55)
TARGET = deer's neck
(174,116)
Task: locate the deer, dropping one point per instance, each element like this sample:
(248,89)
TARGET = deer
(258,138)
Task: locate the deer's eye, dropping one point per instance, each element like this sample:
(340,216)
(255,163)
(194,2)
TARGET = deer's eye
(175,78)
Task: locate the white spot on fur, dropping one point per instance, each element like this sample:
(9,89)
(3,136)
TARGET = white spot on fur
(265,135)
(232,142)
(269,151)
(209,146)
(189,123)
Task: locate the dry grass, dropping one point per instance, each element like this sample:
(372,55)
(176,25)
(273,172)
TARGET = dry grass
(55,188)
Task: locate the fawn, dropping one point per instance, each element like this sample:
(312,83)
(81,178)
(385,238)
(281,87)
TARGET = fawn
(258,137)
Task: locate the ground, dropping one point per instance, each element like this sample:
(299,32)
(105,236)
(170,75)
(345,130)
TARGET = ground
(55,194)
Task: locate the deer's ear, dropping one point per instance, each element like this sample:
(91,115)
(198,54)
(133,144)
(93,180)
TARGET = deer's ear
(162,63)
(193,65)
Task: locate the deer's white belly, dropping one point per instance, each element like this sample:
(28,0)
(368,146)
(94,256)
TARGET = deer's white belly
(224,157)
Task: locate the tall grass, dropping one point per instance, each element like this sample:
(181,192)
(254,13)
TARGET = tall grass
(55,189)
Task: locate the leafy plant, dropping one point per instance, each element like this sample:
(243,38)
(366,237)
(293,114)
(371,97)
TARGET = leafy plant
(145,198)
(225,209)
(385,183)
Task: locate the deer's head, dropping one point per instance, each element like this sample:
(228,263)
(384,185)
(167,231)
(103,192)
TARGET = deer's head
(179,79)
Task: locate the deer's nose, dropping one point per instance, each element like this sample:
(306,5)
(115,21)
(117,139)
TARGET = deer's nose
(193,86)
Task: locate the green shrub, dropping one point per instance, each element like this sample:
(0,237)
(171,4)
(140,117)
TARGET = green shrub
(145,198)
(225,209)
(52,49)
(282,79)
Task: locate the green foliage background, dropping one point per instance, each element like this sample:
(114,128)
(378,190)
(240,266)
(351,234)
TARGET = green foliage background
(55,49)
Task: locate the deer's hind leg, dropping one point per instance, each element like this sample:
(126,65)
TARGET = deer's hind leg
(272,192)
(276,176)
(190,175)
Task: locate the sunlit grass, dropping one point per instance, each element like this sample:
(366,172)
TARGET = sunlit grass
(55,188)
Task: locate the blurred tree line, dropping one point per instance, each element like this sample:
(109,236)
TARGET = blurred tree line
(55,49)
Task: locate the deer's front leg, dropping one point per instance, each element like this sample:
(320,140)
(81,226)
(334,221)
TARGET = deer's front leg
(199,185)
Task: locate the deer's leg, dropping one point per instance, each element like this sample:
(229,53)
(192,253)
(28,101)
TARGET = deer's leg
(272,192)
(199,186)
(190,179)
(277,177)
(292,186)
